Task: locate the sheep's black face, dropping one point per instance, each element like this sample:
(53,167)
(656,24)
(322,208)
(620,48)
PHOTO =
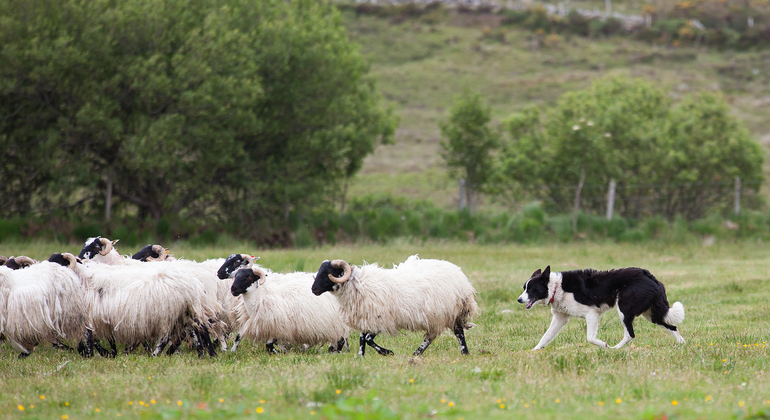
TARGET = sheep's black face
(145,253)
(12,264)
(91,248)
(322,283)
(59,259)
(232,263)
(243,279)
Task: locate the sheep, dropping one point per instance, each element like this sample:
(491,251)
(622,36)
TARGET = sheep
(153,253)
(41,303)
(232,304)
(279,307)
(15,263)
(136,304)
(416,295)
(102,250)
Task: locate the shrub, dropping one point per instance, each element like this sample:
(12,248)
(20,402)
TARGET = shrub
(577,24)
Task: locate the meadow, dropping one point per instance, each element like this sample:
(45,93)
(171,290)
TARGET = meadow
(422,64)
(721,372)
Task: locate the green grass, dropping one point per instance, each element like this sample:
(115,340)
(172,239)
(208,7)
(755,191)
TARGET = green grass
(421,67)
(721,372)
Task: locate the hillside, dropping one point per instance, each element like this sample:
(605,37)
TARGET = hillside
(421,66)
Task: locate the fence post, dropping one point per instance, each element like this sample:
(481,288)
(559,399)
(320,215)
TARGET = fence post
(611,199)
(462,193)
(737,195)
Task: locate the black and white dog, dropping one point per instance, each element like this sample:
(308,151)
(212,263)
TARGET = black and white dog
(590,293)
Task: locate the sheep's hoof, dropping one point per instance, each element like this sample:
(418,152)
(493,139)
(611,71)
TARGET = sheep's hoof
(385,352)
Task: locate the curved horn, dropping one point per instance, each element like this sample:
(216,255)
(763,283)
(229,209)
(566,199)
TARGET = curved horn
(248,260)
(346,273)
(71,258)
(162,253)
(261,274)
(24,261)
(106,246)
(3,259)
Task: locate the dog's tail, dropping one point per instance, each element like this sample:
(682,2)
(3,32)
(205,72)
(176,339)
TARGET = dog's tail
(675,314)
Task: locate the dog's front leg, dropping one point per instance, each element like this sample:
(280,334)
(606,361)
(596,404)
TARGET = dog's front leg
(592,325)
(558,321)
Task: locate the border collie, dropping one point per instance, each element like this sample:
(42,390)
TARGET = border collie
(590,293)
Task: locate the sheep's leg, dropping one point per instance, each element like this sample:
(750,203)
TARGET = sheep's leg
(270,346)
(86,346)
(173,347)
(235,343)
(460,334)
(160,346)
(101,350)
(113,348)
(209,343)
(362,344)
(147,347)
(381,350)
(425,343)
(339,346)
(223,342)
(196,340)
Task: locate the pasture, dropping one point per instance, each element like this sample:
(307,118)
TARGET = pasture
(721,372)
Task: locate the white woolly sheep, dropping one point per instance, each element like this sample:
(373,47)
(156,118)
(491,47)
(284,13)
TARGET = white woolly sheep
(280,308)
(102,250)
(41,303)
(416,295)
(138,304)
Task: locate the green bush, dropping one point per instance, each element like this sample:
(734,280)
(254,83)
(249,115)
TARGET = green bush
(10,228)
(81,232)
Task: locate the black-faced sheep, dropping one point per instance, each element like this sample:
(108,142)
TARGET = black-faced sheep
(280,308)
(417,295)
(41,303)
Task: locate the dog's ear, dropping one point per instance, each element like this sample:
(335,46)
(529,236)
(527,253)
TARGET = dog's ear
(535,274)
(547,272)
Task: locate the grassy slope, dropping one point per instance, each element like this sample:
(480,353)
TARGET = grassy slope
(722,370)
(420,68)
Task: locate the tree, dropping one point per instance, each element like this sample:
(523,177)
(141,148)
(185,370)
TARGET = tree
(682,156)
(228,111)
(468,142)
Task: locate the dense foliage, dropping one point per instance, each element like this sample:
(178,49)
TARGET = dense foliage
(685,155)
(213,110)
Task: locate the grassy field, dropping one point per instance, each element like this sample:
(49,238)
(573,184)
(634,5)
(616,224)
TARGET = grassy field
(421,67)
(721,372)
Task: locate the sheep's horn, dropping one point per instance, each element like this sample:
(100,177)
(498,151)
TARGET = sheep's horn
(261,274)
(106,246)
(71,258)
(346,273)
(3,259)
(24,261)
(162,253)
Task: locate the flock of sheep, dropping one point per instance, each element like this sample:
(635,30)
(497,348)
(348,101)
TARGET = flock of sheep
(99,298)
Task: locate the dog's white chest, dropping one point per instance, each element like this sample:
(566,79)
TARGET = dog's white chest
(568,305)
